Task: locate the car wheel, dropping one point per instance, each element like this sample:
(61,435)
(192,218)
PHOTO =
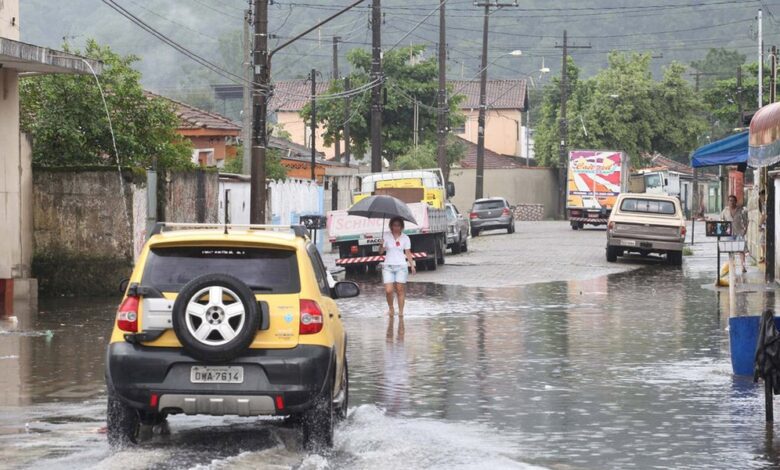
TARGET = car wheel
(456,247)
(319,420)
(123,423)
(215,317)
(343,399)
(475,232)
(511,228)
(575,226)
(465,246)
(612,254)
(442,252)
(674,258)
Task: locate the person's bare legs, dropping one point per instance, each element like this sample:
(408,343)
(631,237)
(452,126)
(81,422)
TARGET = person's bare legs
(400,289)
(742,257)
(389,293)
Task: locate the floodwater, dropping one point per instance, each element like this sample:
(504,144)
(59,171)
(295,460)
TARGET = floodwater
(625,371)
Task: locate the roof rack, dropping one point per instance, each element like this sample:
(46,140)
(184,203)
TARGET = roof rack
(298,230)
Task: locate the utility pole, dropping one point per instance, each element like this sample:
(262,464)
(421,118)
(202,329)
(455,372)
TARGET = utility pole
(376,91)
(313,125)
(337,141)
(773,85)
(760,59)
(478,193)
(416,123)
(347,116)
(246,117)
(563,124)
(260,96)
(442,102)
(739,97)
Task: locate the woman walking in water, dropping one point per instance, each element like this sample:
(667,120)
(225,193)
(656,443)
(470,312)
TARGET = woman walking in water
(397,249)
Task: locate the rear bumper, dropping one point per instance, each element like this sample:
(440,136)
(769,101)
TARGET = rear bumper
(640,244)
(298,375)
(589,220)
(499,222)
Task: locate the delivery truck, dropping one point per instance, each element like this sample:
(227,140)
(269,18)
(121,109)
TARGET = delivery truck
(357,239)
(595,179)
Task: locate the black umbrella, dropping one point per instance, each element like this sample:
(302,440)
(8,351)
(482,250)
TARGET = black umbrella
(382,207)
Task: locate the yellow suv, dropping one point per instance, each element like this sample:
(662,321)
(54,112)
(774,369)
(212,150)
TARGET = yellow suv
(228,320)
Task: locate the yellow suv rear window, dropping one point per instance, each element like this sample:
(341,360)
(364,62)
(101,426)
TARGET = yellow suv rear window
(272,271)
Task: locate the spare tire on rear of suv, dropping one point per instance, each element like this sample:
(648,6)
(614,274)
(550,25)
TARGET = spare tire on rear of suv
(215,317)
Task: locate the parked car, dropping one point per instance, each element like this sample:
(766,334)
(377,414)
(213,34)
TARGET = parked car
(457,230)
(224,321)
(645,224)
(491,213)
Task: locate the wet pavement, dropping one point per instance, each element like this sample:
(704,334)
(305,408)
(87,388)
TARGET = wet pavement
(629,370)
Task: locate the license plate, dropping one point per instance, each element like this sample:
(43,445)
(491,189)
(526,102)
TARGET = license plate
(593,216)
(375,248)
(628,243)
(646,245)
(217,375)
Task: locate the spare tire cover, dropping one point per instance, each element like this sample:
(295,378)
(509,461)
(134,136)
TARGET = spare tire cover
(215,317)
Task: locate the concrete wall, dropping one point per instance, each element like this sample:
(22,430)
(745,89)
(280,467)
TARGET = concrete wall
(503,132)
(86,235)
(180,199)
(519,186)
(12,263)
(9,9)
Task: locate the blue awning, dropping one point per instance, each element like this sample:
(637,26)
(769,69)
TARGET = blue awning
(732,150)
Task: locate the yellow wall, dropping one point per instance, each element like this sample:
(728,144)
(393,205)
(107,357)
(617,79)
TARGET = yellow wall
(502,132)
(293,123)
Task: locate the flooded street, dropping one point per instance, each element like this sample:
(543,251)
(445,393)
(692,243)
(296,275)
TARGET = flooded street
(625,371)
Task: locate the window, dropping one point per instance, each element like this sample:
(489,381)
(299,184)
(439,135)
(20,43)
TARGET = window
(653,181)
(451,215)
(319,270)
(263,270)
(648,206)
(488,205)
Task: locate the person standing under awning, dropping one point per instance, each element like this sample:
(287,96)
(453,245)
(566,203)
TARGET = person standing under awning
(736,215)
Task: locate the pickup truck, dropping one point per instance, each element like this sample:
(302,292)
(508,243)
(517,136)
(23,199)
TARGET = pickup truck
(645,224)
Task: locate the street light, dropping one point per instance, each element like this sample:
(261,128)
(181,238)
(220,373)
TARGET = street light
(516,53)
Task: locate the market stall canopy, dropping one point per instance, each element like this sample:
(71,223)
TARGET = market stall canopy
(732,150)
(765,136)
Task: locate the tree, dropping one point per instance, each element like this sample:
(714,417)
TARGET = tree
(716,65)
(65,117)
(424,156)
(624,108)
(408,77)
(273,165)
(546,133)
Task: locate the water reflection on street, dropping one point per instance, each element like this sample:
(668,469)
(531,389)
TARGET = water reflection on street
(630,370)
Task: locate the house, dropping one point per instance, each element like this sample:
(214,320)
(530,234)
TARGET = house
(290,97)
(214,137)
(505,130)
(18,290)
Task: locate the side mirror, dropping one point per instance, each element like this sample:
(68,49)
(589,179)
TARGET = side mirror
(346,289)
(450,189)
(123,285)
(666,182)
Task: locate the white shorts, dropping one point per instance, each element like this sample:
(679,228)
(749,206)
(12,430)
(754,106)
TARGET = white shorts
(395,274)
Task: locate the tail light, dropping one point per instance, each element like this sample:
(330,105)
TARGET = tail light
(683,231)
(311,318)
(127,315)
(353,250)
(611,225)
(575,213)
(473,215)
(505,211)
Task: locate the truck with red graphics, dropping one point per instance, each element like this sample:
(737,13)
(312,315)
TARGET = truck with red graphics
(357,239)
(595,180)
